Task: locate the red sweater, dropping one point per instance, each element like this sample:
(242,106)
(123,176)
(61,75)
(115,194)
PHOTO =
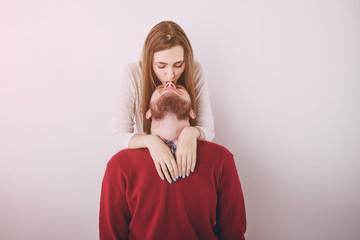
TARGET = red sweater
(136,204)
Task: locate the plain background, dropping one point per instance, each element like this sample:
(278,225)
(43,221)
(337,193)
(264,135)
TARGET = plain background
(284,84)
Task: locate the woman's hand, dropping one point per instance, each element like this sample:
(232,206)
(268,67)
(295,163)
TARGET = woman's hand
(163,158)
(186,150)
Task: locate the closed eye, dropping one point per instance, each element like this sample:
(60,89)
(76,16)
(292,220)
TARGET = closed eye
(177,66)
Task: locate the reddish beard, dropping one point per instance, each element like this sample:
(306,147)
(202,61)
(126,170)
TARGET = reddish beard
(170,104)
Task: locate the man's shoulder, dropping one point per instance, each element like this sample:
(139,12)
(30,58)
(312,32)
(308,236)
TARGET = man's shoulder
(129,153)
(128,156)
(213,149)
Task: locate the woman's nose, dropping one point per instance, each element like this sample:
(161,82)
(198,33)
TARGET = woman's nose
(171,74)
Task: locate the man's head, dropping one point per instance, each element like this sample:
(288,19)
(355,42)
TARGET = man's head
(168,101)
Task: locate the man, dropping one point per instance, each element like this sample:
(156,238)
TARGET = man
(136,204)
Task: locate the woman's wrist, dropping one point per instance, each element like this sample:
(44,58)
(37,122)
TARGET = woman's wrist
(200,133)
(149,140)
(193,131)
(142,141)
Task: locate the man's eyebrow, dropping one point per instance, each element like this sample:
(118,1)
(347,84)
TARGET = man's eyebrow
(174,63)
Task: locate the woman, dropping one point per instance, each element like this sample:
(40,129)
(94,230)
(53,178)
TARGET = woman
(167,56)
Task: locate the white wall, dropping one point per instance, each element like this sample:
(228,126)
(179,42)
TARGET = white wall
(284,83)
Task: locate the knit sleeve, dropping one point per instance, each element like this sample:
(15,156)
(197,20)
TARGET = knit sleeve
(122,124)
(230,211)
(114,216)
(204,112)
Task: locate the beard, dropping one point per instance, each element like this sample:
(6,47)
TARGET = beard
(170,104)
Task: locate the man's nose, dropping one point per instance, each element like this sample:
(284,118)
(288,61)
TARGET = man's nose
(169,84)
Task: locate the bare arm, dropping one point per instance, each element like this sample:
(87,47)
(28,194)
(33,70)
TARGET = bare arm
(204,130)
(186,150)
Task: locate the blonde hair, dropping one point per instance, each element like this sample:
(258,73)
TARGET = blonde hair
(162,36)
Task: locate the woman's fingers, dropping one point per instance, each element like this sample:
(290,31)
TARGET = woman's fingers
(175,167)
(186,150)
(171,167)
(164,160)
(193,164)
(188,165)
(166,172)
(167,168)
(183,167)
(158,169)
(179,164)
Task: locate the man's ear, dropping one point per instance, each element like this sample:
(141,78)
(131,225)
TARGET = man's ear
(192,114)
(148,114)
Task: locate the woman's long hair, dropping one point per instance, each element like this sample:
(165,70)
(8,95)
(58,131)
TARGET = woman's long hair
(162,36)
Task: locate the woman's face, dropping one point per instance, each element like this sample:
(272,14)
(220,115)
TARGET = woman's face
(169,64)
